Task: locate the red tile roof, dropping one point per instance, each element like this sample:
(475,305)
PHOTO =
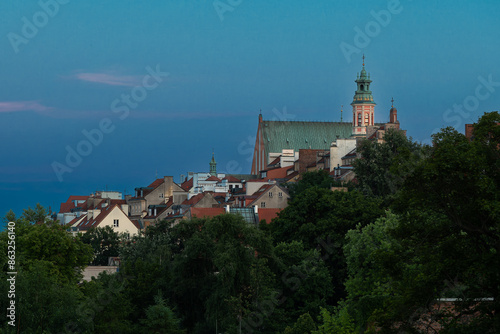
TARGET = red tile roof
(156,183)
(262,189)
(206,212)
(193,200)
(187,185)
(275,161)
(87,223)
(291,176)
(232,179)
(68,205)
(161,210)
(213,178)
(136,223)
(277,173)
(268,214)
(74,220)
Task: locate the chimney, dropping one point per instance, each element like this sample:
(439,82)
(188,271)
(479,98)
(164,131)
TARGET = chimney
(168,183)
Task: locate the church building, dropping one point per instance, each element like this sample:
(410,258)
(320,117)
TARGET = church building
(287,138)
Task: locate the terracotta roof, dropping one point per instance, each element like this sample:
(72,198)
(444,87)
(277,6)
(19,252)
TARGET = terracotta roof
(262,189)
(156,183)
(206,212)
(74,220)
(291,176)
(136,223)
(87,223)
(277,173)
(268,214)
(195,199)
(232,179)
(274,162)
(161,209)
(68,205)
(213,178)
(187,185)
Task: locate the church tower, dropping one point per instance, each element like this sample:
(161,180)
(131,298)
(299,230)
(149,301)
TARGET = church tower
(363,107)
(213,166)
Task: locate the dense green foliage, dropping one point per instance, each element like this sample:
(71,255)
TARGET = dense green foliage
(421,225)
(105,242)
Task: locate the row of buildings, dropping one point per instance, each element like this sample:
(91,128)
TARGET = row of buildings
(283,151)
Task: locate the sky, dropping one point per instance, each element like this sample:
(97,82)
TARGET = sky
(109,94)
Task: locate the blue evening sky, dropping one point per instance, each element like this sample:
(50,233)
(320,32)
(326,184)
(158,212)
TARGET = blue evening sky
(64,64)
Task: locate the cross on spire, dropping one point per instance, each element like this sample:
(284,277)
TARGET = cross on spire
(363,59)
(392,102)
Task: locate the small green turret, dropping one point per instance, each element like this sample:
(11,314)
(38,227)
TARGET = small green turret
(213,166)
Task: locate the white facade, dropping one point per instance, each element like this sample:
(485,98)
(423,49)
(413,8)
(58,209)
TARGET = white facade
(340,148)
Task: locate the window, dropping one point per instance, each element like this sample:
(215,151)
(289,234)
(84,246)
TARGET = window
(161,195)
(270,195)
(115,223)
(262,204)
(280,194)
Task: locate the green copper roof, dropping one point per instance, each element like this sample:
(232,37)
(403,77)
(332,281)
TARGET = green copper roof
(280,135)
(363,94)
(213,166)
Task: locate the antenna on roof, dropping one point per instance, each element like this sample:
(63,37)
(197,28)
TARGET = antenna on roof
(341,112)
(156,174)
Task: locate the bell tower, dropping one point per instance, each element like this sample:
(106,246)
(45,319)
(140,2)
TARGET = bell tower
(213,166)
(363,107)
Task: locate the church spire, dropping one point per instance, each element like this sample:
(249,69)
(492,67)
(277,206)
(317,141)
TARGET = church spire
(363,107)
(393,113)
(213,165)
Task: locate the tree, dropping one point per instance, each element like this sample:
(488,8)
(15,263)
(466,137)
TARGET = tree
(105,243)
(44,304)
(304,283)
(10,217)
(38,214)
(368,285)
(160,319)
(214,278)
(383,167)
(320,218)
(52,244)
(107,308)
(444,243)
(304,325)
(319,179)
(338,323)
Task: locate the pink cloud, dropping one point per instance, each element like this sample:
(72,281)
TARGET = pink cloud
(13,106)
(110,79)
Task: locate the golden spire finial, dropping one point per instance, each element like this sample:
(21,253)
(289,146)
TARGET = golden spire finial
(392,102)
(363,60)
